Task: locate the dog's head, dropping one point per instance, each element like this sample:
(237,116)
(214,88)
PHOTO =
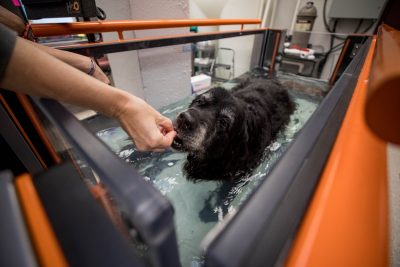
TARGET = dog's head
(209,124)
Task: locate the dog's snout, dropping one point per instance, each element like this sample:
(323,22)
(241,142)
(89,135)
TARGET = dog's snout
(185,120)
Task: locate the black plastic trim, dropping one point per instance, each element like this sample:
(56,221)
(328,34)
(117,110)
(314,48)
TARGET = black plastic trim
(122,46)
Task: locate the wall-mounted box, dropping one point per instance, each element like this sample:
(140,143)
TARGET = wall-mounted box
(356,9)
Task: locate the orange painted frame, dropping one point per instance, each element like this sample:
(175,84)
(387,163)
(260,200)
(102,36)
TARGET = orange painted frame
(45,242)
(31,113)
(42,30)
(347,221)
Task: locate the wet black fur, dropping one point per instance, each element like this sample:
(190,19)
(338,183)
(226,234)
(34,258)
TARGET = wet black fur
(261,107)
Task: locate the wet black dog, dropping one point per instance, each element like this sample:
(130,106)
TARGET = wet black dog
(226,132)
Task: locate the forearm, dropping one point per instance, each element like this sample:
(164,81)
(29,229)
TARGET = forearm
(35,72)
(78,61)
(17,24)
(73,86)
(12,21)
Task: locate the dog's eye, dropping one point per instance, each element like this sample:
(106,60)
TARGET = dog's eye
(200,101)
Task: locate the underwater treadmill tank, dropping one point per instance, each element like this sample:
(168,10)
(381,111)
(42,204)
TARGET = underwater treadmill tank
(200,206)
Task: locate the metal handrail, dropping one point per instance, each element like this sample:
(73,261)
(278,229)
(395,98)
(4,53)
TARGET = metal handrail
(42,30)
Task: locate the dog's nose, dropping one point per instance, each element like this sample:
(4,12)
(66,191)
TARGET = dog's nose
(185,120)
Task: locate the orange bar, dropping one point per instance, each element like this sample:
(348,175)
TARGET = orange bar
(41,30)
(382,108)
(347,221)
(23,99)
(45,242)
(121,35)
(275,52)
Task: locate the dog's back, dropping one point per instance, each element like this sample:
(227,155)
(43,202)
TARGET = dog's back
(267,98)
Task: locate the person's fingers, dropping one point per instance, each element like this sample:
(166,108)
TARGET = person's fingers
(101,76)
(167,139)
(171,135)
(146,126)
(158,143)
(162,130)
(166,124)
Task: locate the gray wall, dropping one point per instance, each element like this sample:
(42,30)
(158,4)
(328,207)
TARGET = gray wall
(160,75)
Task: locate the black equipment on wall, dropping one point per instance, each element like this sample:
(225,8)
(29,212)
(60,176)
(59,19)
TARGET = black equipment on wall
(39,9)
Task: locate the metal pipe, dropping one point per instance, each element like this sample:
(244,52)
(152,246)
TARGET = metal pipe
(42,30)
(294,17)
(265,14)
(261,8)
(273,13)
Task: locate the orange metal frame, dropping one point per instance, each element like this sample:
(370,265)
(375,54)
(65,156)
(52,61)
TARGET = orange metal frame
(30,112)
(347,221)
(45,242)
(119,26)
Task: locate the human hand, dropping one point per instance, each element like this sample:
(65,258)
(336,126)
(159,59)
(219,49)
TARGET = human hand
(148,128)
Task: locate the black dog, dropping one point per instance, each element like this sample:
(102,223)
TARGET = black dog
(226,132)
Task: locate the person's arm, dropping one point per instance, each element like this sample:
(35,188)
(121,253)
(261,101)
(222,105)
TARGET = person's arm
(32,71)
(75,60)
(12,21)
(80,62)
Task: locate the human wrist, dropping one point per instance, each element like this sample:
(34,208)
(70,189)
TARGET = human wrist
(92,67)
(82,63)
(123,102)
